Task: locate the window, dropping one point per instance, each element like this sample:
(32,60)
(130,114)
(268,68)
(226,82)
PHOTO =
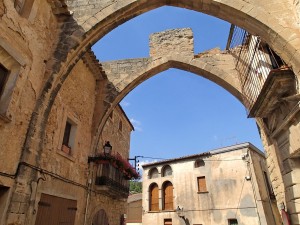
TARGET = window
(199,163)
(232,222)
(168,196)
(3,78)
(201,184)
(153,191)
(68,138)
(153,173)
(167,171)
(167,221)
(4,192)
(269,186)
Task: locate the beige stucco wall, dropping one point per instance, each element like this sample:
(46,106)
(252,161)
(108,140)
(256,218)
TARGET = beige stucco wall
(229,194)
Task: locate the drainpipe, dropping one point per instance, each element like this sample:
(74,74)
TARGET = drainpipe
(88,192)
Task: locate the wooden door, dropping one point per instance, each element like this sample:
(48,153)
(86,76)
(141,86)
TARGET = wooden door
(53,210)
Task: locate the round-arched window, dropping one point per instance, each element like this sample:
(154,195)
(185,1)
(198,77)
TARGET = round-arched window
(199,163)
(153,173)
(167,171)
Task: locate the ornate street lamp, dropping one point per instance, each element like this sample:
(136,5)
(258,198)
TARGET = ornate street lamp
(107,148)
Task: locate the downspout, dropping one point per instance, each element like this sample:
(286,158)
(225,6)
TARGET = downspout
(89,186)
(252,184)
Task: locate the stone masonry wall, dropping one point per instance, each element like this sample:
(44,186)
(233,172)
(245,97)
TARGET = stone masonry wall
(176,41)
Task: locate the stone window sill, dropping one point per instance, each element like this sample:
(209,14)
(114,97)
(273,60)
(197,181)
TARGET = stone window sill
(67,156)
(202,192)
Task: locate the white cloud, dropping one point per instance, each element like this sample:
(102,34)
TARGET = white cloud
(125,104)
(136,124)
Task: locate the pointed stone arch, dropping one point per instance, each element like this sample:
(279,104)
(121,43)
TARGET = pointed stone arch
(86,23)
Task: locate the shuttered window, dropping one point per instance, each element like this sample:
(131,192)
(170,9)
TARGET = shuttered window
(201,184)
(154,206)
(168,196)
(3,78)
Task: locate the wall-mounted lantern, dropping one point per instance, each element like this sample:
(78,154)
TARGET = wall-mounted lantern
(107,148)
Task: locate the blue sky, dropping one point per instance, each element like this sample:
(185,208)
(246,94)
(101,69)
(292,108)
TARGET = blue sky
(177,113)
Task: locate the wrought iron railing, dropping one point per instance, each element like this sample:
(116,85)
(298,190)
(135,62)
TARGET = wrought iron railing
(254,62)
(108,175)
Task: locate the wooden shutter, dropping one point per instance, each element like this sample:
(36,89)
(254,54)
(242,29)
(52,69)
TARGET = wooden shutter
(154,198)
(53,210)
(168,196)
(202,184)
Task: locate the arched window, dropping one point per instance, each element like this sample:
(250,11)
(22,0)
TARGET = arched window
(199,163)
(100,218)
(167,171)
(153,198)
(168,196)
(153,173)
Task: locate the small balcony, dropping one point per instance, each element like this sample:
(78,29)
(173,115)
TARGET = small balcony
(264,77)
(113,174)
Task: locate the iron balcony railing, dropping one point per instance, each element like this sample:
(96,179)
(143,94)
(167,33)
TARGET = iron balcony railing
(113,178)
(254,61)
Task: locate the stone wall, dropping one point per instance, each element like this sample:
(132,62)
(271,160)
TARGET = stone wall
(176,41)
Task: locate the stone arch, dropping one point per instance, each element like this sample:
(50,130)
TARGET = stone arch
(83,30)
(99,215)
(226,78)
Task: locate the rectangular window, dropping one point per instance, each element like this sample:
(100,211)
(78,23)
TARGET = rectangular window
(3,201)
(167,221)
(201,184)
(3,78)
(67,134)
(232,222)
(69,137)
(269,186)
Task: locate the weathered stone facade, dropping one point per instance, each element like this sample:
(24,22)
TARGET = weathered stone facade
(43,44)
(234,187)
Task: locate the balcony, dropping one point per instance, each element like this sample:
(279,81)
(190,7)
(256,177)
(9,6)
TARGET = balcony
(113,174)
(264,77)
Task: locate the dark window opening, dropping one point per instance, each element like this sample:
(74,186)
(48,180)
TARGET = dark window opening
(199,163)
(269,186)
(3,78)
(232,222)
(67,134)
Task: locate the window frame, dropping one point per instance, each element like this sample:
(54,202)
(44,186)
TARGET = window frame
(164,187)
(164,169)
(199,179)
(12,61)
(69,151)
(151,188)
